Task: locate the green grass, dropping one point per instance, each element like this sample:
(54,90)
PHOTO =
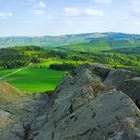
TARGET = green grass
(5,72)
(34,79)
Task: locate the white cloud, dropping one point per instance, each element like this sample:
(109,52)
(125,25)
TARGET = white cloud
(76,12)
(103,1)
(35,4)
(5,14)
(72,11)
(93,12)
(37,12)
(42,4)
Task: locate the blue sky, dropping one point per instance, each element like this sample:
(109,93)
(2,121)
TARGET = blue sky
(57,17)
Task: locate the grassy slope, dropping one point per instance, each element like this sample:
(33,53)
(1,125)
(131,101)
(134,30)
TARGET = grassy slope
(5,72)
(34,79)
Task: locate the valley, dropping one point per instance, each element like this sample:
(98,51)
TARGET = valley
(51,62)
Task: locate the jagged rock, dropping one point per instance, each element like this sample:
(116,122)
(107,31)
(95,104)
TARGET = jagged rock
(126,81)
(19,112)
(91,102)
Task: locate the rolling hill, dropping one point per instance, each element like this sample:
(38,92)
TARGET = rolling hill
(108,39)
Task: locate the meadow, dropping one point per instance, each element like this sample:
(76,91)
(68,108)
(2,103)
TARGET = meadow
(37,77)
(34,78)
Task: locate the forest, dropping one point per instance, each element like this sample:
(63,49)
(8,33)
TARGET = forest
(16,57)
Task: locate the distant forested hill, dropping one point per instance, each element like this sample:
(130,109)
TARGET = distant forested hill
(96,40)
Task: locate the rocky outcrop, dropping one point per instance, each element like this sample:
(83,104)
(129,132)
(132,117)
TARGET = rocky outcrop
(126,81)
(91,102)
(20,113)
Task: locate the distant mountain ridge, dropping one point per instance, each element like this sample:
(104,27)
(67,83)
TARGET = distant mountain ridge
(54,41)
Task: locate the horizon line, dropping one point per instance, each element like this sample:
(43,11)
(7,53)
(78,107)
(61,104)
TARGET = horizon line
(4,36)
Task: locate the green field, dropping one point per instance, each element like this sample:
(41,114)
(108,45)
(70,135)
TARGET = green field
(34,79)
(37,77)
